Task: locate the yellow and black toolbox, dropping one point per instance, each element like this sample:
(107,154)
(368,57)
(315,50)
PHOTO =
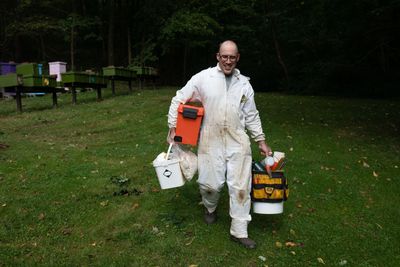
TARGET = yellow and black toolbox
(269,189)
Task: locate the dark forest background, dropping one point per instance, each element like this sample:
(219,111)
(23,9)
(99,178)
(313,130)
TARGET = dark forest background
(337,47)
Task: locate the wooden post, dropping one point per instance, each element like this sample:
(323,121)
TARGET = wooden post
(18,90)
(99,93)
(113,86)
(54,98)
(140,83)
(73,94)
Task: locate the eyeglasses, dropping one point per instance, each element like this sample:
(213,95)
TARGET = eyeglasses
(226,57)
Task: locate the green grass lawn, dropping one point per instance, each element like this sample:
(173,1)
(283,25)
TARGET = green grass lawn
(63,200)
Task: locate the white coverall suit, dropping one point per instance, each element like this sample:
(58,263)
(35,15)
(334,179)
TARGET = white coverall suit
(224,147)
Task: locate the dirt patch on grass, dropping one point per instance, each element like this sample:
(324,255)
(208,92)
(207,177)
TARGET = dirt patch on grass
(4,146)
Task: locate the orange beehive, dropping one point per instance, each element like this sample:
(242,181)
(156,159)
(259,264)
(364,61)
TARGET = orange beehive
(188,124)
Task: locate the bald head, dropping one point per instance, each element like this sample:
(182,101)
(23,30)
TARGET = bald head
(228,56)
(228,44)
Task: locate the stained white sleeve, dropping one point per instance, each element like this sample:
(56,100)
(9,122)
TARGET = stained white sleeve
(188,92)
(252,117)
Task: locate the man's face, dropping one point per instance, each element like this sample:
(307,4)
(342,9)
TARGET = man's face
(228,57)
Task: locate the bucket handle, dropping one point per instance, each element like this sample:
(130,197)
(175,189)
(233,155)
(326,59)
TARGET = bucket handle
(169,150)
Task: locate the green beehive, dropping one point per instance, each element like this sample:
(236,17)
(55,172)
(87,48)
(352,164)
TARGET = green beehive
(32,69)
(118,71)
(97,79)
(28,69)
(138,70)
(82,77)
(10,80)
(74,77)
(153,71)
(40,81)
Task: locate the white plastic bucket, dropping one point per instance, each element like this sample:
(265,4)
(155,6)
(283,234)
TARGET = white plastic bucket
(168,171)
(268,208)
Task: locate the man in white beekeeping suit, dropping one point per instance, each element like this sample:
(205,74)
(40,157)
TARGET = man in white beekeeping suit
(224,152)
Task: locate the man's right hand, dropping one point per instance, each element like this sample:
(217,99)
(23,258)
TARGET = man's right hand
(171,135)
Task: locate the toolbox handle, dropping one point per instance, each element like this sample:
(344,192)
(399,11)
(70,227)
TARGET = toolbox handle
(190,113)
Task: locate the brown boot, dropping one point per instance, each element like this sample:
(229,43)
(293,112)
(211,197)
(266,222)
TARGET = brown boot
(210,218)
(247,242)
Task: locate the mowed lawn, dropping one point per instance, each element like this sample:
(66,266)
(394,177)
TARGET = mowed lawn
(77,187)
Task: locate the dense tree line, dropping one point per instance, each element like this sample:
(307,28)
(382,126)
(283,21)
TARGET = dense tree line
(330,46)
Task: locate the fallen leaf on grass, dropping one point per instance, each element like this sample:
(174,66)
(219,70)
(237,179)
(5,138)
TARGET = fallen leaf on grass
(311,210)
(41,216)
(375,174)
(190,241)
(292,232)
(365,165)
(66,231)
(104,203)
(262,258)
(135,206)
(278,244)
(193,265)
(320,260)
(290,244)
(342,262)
(3,205)
(4,146)
(293,252)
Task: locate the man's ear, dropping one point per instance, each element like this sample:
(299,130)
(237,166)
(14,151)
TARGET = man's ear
(217,56)
(238,57)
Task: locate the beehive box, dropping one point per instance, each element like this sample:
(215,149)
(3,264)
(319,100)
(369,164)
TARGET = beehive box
(32,69)
(118,71)
(6,68)
(10,80)
(153,71)
(97,79)
(138,70)
(56,68)
(74,77)
(40,81)
(82,77)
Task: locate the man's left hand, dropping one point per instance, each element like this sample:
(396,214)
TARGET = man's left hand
(264,148)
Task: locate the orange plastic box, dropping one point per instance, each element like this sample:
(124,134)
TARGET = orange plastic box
(188,124)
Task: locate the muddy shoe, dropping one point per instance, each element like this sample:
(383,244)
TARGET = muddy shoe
(247,242)
(210,218)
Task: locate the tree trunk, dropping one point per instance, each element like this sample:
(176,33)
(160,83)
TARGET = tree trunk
(17,44)
(279,52)
(129,46)
(267,8)
(72,44)
(185,52)
(383,57)
(42,48)
(111,18)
